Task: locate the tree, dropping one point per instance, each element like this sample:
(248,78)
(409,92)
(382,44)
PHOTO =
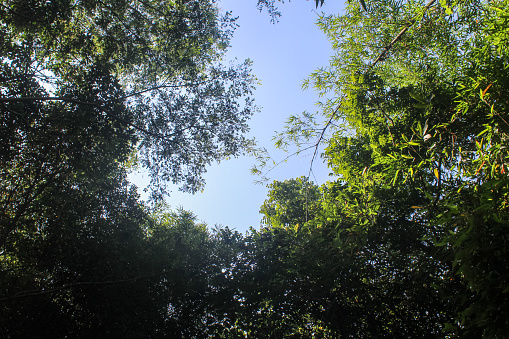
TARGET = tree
(152,69)
(291,203)
(415,129)
(337,278)
(86,88)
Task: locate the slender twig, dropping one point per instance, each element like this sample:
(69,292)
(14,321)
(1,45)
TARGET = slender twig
(64,99)
(288,157)
(400,34)
(95,103)
(317,145)
(103,102)
(33,293)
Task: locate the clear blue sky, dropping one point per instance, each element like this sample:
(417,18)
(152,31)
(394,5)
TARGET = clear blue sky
(283,55)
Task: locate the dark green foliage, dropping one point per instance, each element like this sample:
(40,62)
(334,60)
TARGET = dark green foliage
(333,276)
(86,87)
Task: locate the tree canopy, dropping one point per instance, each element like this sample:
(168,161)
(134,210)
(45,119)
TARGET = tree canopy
(153,70)
(89,89)
(415,124)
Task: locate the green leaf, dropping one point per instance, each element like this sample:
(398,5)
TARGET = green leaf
(417,97)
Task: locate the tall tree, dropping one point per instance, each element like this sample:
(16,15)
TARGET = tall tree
(86,87)
(291,203)
(415,129)
(332,278)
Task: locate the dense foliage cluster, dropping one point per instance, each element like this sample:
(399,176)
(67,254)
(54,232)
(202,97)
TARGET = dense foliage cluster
(409,241)
(87,90)
(416,130)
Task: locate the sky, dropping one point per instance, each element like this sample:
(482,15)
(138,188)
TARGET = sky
(283,55)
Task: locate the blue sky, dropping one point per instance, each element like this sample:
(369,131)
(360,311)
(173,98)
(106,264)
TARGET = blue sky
(283,55)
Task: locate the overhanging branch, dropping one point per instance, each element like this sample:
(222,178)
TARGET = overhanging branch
(400,34)
(34,293)
(104,102)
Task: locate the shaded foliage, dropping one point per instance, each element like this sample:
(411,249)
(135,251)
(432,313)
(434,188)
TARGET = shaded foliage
(89,89)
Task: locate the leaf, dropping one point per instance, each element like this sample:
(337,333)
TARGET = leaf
(417,97)
(484,92)
(484,131)
(448,10)
(436,173)
(395,177)
(480,167)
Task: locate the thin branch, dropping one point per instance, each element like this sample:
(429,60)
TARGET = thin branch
(64,99)
(96,103)
(288,157)
(400,34)
(27,294)
(321,137)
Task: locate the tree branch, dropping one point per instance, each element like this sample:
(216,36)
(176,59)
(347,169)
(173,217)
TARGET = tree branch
(64,99)
(321,137)
(400,34)
(96,103)
(99,103)
(33,293)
